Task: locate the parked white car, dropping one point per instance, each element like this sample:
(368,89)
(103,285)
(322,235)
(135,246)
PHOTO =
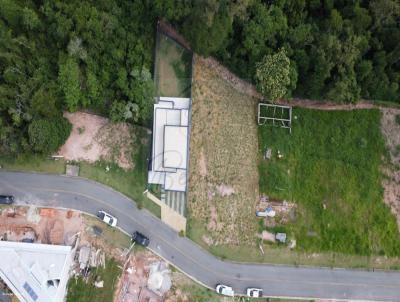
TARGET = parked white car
(107,218)
(254,292)
(224,290)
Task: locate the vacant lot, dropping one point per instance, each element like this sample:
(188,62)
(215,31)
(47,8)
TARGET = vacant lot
(223,185)
(390,125)
(95,138)
(102,164)
(173,68)
(331,169)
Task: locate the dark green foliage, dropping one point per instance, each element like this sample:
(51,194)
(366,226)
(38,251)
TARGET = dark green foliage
(342,51)
(93,54)
(68,55)
(331,169)
(47,135)
(273,75)
(69,84)
(208,26)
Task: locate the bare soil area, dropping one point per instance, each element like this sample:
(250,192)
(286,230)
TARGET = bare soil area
(133,284)
(223,185)
(391,183)
(95,138)
(48,226)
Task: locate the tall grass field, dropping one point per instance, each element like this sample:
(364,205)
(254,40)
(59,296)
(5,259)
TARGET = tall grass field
(331,169)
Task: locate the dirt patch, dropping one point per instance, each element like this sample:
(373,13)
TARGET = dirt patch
(391,183)
(133,283)
(267,236)
(326,105)
(225,190)
(81,145)
(213,224)
(95,138)
(224,150)
(117,140)
(202,164)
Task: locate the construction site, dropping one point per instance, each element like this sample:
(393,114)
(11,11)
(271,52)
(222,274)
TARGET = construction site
(105,265)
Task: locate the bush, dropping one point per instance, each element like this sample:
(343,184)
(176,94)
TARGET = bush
(398,119)
(47,135)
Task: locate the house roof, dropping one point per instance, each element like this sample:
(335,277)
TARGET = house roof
(170,143)
(35,272)
(175,147)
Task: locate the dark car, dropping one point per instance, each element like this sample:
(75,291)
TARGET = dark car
(140,238)
(6,199)
(28,240)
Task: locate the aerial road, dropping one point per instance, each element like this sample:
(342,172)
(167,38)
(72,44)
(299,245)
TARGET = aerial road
(275,280)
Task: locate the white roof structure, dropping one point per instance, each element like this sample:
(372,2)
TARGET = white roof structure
(35,272)
(175,147)
(170,143)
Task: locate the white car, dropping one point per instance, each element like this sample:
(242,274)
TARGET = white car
(254,292)
(107,218)
(224,290)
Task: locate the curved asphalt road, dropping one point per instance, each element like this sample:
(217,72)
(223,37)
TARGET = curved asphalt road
(276,280)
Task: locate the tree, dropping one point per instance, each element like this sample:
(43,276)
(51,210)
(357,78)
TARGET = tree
(93,89)
(30,19)
(44,103)
(69,83)
(47,135)
(273,75)
(208,26)
(122,112)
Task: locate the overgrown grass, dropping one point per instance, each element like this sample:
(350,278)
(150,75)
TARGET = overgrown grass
(274,254)
(112,236)
(197,292)
(330,168)
(80,291)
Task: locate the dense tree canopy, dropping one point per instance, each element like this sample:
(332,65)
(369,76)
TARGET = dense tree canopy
(47,135)
(273,75)
(64,55)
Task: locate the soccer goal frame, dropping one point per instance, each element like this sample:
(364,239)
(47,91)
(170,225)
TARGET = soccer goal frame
(275,115)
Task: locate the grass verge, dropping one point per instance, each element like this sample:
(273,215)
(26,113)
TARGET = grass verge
(283,255)
(80,291)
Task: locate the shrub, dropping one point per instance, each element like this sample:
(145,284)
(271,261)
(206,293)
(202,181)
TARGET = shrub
(398,119)
(47,135)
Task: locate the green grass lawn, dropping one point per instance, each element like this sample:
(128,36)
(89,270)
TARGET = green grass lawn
(32,162)
(330,169)
(173,68)
(80,291)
